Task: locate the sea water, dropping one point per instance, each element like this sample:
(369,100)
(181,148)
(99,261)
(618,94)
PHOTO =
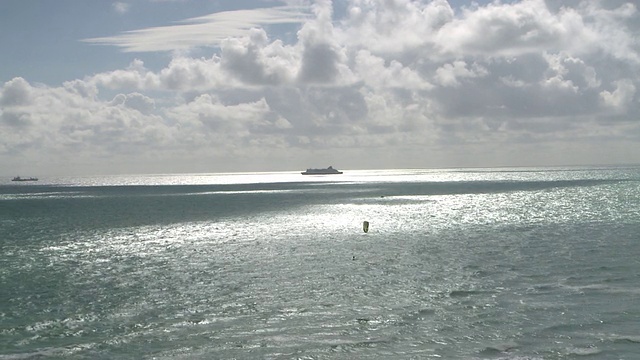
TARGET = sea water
(456,264)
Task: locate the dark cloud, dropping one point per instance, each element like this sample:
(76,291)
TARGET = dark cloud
(319,64)
(244,64)
(15,119)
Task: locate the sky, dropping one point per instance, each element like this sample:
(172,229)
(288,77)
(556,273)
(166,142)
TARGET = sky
(91,87)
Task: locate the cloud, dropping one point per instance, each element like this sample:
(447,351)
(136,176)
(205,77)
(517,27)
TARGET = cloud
(135,101)
(621,97)
(208,113)
(450,74)
(321,54)
(572,71)
(384,84)
(511,29)
(255,61)
(204,31)
(394,27)
(16,92)
(121,7)
(609,28)
(377,73)
(65,125)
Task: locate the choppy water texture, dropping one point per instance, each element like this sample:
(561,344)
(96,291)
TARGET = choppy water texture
(477,264)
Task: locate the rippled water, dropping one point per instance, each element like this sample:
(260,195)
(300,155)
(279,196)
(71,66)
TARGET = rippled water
(476,264)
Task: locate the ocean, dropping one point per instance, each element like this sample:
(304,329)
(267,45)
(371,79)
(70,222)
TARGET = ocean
(514,263)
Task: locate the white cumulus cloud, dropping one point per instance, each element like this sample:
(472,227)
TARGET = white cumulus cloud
(374,83)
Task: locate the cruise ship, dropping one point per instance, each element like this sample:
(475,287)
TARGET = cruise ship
(18,178)
(328,171)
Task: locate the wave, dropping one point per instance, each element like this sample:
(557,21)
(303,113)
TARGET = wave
(466,293)
(48,352)
(499,348)
(584,351)
(634,339)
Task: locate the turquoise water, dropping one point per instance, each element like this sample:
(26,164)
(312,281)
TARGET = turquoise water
(457,264)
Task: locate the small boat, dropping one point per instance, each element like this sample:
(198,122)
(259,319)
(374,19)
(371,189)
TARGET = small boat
(328,171)
(18,178)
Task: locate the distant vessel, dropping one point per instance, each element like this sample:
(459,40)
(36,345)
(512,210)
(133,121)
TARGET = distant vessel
(328,171)
(18,178)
